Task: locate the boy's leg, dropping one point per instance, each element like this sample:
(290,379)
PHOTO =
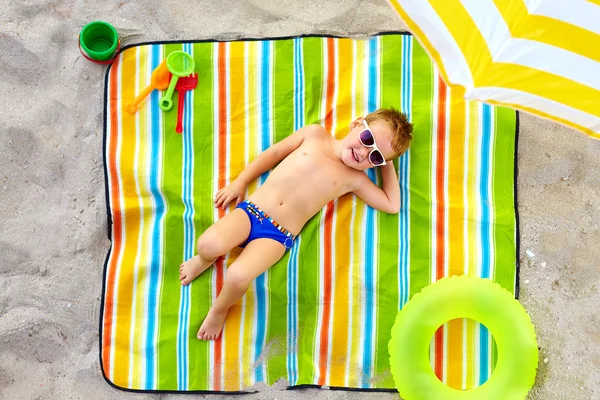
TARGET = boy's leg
(258,256)
(225,234)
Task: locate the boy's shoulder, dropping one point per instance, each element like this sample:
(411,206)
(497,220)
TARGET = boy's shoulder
(315,130)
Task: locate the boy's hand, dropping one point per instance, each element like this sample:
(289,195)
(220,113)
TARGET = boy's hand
(235,191)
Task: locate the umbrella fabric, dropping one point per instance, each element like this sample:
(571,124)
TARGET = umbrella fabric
(323,314)
(540,56)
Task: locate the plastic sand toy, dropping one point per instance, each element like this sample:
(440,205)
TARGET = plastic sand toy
(159,80)
(99,42)
(183,85)
(179,64)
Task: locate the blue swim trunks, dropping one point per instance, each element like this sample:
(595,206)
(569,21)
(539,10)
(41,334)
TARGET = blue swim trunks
(268,230)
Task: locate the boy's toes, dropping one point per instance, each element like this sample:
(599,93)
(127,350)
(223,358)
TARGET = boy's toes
(183,278)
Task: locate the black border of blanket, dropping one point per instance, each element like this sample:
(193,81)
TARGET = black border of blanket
(109,221)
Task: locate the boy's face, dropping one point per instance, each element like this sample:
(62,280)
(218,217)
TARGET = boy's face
(355,154)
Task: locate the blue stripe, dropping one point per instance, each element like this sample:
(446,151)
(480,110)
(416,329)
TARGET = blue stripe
(292,317)
(484,184)
(367,364)
(188,221)
(265,119)
(484,344)
(409,40)
(404,165)
(156,234)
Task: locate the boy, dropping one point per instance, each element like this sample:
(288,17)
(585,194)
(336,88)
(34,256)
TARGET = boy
(314,168)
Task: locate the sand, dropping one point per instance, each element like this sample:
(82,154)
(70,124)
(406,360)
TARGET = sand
(53,217)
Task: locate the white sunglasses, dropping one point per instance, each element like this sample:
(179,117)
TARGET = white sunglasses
(367,139)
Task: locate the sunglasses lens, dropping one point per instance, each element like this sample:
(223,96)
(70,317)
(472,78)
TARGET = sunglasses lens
(376,157)
(366,137)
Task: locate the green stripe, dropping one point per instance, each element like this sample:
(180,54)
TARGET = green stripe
(308,271)
(283,125)
(503,196)
(173,249)
(503,199)
(387,300)
(420,171)
(201,288)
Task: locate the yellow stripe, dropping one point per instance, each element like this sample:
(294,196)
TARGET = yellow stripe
(470,350)
(456,209)
(339,344)
(140,298)
(548,30)
(471,267)
(471,183)
(237,146)
(131,231)
(355,280)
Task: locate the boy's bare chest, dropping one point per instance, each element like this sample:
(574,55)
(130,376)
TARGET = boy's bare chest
(308,166)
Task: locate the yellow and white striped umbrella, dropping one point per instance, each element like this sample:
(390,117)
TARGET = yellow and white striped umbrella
(540,56)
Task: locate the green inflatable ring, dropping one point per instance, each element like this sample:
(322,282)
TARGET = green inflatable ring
(481,300)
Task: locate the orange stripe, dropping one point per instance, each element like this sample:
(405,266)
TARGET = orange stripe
(116,224)
(327,266)
(456,218)
(222,101)
(328,226)
(440,177)
(330,85)
(440,215)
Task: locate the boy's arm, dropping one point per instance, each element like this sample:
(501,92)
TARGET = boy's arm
(262,163)
(386,198)
(272,156)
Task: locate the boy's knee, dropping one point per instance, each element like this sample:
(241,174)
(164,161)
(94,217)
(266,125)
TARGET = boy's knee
(210,246)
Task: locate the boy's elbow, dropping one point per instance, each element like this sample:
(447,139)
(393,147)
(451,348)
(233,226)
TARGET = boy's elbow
(394,208)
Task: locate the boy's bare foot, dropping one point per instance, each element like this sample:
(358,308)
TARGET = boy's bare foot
(212,325)
(190,269)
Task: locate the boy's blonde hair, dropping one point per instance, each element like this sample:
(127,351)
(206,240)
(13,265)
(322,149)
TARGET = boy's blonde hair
(398,122)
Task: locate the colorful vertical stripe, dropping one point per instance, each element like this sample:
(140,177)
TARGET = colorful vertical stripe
(322,315)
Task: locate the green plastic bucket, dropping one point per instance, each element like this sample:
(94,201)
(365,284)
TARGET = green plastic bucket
(99,42)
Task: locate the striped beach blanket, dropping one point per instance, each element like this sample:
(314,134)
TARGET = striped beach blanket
(323,314)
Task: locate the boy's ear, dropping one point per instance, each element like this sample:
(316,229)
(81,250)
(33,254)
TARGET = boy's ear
(356,122)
